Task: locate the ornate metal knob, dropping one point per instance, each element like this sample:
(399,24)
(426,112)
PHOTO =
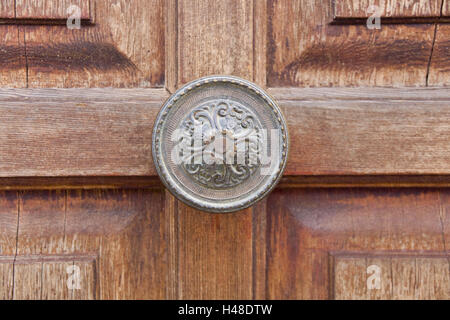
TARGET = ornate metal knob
(220,144)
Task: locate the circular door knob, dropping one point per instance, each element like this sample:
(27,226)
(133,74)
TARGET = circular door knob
(220,144)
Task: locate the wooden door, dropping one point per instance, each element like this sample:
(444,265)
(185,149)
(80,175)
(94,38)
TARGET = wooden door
(363,211)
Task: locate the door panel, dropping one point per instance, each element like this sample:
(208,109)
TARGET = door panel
(307,49)
(366,180)
(321,241)
(115,240)
(122,46)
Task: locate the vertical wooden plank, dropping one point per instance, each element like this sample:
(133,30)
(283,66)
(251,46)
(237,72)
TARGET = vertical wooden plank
(350,279)
(6,281)
(260,20)
(27,281)
(259,212)
(138,31)
(383,265)
(215,254)
(54,281)
(171,214)
(433,280)
(8,241)
(445,221)
(404,278)
(8,222)
(215,37)
(88,283)
(171,40)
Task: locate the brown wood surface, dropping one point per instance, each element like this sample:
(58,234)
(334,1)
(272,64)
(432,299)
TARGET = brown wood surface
(315,243)
(7,9)
(12,56)
(399,8)
(308,227)
(333,132)
(100,55)
(48,9)
(401,277)
(215,37)
(306,50)
(87,191)
(440,62)
(116,238)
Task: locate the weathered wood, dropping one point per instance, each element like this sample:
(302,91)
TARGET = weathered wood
(65,130)
(7,9)
(214,254)
(171,43)
(260,22)
(306,228)
(12,56)
(215,37)
(306,50)
(48,9)
(333,132)
(401,277)
(115,238)
(127,229)
(439,74)
(100,55)
(348,9)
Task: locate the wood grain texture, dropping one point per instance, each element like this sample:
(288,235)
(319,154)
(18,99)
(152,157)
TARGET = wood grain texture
(8,222)
(401,278)
(260,47)
(333,132)
(7,9)
(171,43)
(439,74)
(115,238)
(391,9)
(47,9)
(127,230)
(362,136)
(47,123)
(215,255)
(307,227)
(99,55)
(215,37)
(306,50)
(12,54)
(46,277)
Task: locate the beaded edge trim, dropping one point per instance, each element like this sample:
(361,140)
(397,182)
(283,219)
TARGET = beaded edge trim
(160,164)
